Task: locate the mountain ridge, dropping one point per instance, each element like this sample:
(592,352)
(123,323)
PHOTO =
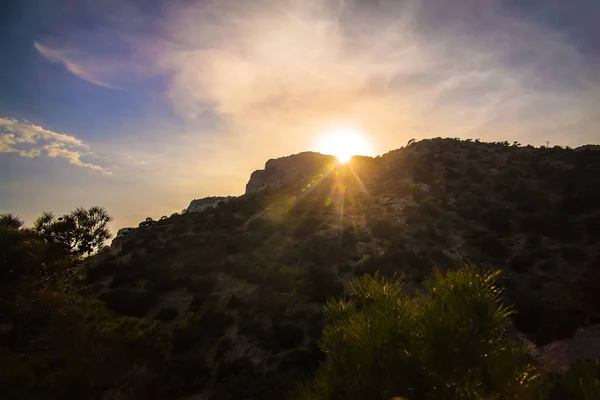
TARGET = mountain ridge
(258,267)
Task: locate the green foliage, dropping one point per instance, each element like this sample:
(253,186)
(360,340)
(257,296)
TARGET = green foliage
(19,249)
(61,344)
(80,233)
(283,336)
(450,342)
(167,314)
(581,382)
(129,302)
(320,284)
(89,349)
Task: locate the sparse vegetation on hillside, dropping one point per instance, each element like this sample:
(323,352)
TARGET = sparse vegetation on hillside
(230,298)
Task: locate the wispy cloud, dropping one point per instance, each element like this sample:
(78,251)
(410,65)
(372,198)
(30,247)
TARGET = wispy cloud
(279,72)
(30,141)
(134,159)
(64,57)
(266,78)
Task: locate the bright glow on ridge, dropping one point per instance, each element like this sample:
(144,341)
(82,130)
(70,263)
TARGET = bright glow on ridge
(344,144)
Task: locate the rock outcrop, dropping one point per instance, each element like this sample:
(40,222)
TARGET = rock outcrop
(283,170)
(198,205)
(559,356)
(120,238)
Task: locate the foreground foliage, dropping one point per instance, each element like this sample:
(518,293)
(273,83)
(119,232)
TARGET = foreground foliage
(451,341)
(55,342)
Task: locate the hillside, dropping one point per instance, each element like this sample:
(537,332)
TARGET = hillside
(240,286)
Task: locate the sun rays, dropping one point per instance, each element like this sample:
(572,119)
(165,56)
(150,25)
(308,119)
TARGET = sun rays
(344,144)
(328,203)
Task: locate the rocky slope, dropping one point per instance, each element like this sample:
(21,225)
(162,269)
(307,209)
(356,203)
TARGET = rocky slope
(198,205)
(284,170)
(240,286)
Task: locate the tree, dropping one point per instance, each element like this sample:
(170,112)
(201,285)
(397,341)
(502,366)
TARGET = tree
(56,342)
(450,342)
(13,247)
(23,253)
(80,233)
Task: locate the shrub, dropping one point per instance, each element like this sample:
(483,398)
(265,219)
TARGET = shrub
(450,342)
(574,254)
(126,302)
(580,383)
(205,285)
(522,262)
(185,375)
(251,328)
(167,314)
(320,284)
(382,228)
(301,362)
(491,245)
(241,366)
(284,336)
(548,265)
(236,302)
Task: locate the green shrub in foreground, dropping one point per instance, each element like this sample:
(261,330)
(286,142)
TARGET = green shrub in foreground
(450,342)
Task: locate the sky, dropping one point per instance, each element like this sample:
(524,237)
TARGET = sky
(142,106)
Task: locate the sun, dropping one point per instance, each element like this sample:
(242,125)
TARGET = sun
(343,144)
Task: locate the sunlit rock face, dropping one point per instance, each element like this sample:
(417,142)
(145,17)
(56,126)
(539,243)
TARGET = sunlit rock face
(120,238)
(198,205)
(283,170)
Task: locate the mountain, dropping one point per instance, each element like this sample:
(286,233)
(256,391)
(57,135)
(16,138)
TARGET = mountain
(240,285)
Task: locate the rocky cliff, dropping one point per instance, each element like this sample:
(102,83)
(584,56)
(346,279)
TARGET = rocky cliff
(117,242)
(198,205)
(283,170)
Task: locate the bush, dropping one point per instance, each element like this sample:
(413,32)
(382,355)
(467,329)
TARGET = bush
(320,284)
(251,328)
(574,254)
(185,375)
(491,245)
(284,336)
(167,314)
(522,262)
(126,302)
(581,382)
(241,366)
(301,362)
(451,342)
(382,228)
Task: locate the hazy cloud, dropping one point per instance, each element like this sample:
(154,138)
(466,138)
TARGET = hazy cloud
(30,141)
(66,58)
(280,72)
(251,80)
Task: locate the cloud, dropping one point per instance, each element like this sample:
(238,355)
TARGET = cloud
(63,57)
(31,141)
(134,159)
(266,78)
(278,73)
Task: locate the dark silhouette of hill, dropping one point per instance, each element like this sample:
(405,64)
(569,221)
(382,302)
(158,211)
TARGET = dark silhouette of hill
(240,287)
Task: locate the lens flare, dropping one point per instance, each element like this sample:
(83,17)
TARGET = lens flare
(344,144)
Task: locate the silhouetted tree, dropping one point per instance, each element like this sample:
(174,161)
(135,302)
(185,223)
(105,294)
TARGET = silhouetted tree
(80,233)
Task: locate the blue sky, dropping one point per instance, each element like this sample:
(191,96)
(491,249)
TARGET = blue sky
(142,106)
